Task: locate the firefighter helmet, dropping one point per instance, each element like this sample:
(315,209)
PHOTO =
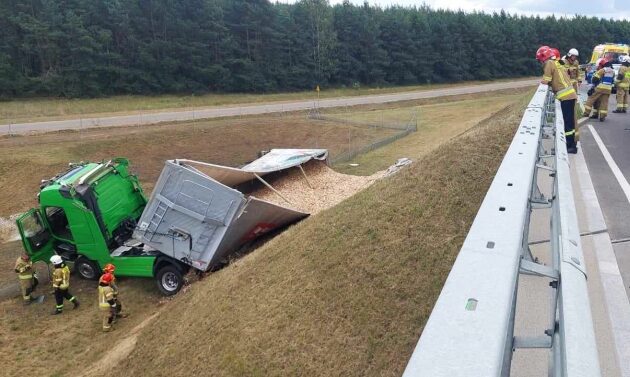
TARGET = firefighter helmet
(556,53)
(106,278)
(573,52)
(109,268)
(544,53)
(56,259)
(601,62)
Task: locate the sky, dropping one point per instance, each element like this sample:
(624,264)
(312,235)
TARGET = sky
(618,9)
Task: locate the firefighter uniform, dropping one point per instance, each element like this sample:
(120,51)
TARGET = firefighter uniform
(114,287)
(106,305)
(61,285)
(573,70)
(605,78)
(24,269)
(557,77)
(623,85)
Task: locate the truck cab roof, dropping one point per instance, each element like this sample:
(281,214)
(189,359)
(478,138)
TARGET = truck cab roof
(69,177)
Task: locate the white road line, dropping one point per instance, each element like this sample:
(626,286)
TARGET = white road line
(625,186)
(617,304)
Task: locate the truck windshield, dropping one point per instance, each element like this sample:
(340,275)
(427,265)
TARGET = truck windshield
(32,225)
(71,173)
(33,231)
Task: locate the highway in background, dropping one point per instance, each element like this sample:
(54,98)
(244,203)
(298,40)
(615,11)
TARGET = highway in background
(265,108)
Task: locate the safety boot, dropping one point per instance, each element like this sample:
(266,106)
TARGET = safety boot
(594,116)
(618,111)
(572,150)
(56,312)
(602,119)
(76,303)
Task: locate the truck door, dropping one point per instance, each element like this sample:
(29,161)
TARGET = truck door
(36,237)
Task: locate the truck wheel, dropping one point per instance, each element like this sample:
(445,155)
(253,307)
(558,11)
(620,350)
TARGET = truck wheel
(169,280)
(86,268)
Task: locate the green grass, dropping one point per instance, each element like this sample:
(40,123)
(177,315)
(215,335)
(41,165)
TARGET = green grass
(345,292)
(25,110)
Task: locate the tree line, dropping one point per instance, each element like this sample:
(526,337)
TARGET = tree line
(85,48)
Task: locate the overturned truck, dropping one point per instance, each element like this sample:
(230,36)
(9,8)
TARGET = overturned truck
(198,214)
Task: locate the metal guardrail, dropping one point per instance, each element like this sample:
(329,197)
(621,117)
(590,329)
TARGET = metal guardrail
(470,332)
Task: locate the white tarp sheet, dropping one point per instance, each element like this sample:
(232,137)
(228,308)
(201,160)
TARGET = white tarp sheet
(275,160)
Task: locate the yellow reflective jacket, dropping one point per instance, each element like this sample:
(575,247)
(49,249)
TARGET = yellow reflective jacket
(61,277)
(573,70)
(105,294)
(24,269)
(606,78)
(623,77)
(558,78)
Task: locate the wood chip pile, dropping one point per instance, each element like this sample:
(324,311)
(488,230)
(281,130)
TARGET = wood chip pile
(8,230)
(328,187)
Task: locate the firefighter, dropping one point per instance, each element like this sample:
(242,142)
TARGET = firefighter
(106,301)
(26,275)
(599,64)
(623,85)
(599,93)
(560,83)
(556,53)
(109,269)
(572,66)
(61,284)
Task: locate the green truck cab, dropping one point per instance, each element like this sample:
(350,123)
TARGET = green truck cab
(87,215)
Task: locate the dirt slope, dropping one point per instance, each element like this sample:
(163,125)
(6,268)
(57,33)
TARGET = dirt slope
(344,293)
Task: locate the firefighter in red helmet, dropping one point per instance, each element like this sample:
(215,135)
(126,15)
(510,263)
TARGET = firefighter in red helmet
(558,79)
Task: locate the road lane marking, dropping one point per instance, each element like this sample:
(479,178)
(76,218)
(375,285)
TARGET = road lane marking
(613,290)
(625,186)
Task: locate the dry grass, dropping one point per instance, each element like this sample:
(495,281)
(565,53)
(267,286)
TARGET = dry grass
(34,343)
(25,110)
(25,160)
(343,293)
(437,123)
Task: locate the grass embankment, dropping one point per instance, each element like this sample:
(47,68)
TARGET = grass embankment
(433,130)
(32,110)
(343,293)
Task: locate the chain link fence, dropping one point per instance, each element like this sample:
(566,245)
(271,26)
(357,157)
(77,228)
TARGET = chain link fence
(397,122)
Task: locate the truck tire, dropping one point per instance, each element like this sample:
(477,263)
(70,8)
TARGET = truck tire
(86,268)
(169,280)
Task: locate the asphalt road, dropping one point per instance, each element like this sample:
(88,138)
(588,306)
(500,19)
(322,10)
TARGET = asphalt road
(603,206)
(265,108)
(606,147)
